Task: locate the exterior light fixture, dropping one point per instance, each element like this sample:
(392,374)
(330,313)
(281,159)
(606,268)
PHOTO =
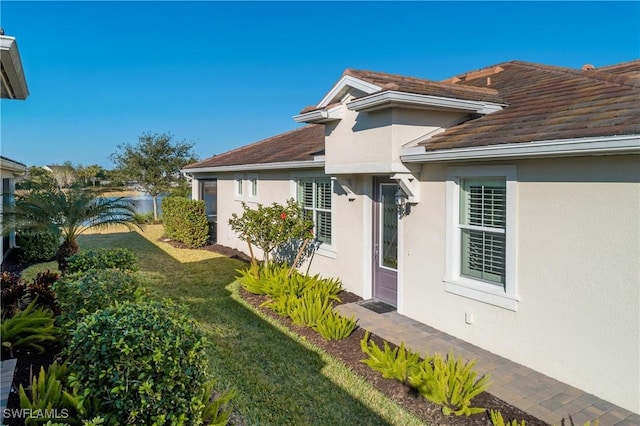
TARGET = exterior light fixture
(400,199)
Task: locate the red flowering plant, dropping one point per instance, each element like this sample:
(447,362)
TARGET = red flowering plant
(269,227)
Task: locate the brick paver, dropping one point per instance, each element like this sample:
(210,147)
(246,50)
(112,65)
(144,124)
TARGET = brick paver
(551,401)
(7,368)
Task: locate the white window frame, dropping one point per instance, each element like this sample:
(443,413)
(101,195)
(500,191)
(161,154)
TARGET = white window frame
(238,187)
(252,191)
(327,250)
(455,283)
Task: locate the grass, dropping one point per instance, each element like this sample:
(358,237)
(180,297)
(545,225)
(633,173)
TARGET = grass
(280,378)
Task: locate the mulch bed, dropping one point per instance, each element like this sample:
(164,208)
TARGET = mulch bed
(347,350)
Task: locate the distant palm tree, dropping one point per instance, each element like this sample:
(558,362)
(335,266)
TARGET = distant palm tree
(67,212)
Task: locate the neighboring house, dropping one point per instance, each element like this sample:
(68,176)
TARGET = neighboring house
(14,86)
(501,206)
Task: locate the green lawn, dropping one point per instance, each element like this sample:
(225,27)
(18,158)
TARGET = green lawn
(280,380)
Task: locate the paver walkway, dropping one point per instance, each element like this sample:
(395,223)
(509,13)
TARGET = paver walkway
(543,397)
(7,368)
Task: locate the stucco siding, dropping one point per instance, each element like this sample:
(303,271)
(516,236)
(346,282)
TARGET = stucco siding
(370,142)
(578,274)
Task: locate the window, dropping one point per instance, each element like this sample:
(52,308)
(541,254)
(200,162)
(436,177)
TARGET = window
(209,194)
(482,224)
(238,183)
(253,188)
(480,253)
(315,196)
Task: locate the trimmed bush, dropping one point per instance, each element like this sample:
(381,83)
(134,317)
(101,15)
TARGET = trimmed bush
(146,363)
(37,246)
(84,293)
(185,220)
(118,258)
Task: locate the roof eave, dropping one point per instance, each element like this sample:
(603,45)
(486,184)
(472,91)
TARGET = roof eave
(319,116)
(392,98)
(14,83)
(318,162)
(604,145)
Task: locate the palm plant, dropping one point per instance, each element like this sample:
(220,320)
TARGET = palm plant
(68,212)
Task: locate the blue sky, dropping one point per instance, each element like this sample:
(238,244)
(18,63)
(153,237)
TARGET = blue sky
(221,75)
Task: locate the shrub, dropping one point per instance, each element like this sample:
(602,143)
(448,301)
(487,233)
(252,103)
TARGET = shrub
(31,327)
(269,227)
(118,258)
(450,383)
(185,221)
(84,293)
(145,362)
(309,308)
(37,246)
(13,290)
(397,363)
(48,393)
(333,326)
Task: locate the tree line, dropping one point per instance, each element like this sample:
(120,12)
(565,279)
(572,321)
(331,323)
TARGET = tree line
(152,165)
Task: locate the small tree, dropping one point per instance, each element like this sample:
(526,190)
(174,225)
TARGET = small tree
(154,162)
(268,227)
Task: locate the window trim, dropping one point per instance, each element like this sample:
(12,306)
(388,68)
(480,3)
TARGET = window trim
(506,296)
(327,250)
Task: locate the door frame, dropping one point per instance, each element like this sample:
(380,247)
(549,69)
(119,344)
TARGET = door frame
(379,272)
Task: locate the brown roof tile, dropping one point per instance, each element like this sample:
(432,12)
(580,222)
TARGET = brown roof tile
(546,103)
(420,86)
(296,145)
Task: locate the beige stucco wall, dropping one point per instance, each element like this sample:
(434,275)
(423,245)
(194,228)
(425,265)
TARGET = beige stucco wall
(578,274)
(370,142)
(578,265)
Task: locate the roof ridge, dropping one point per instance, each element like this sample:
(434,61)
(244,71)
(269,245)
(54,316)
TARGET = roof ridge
(594,74)
(479,90)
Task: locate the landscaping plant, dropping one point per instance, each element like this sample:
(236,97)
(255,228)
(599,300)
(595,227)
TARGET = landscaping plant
(498,420)
(333,326)
(104,258)
(37,246)
(185,220)
(449,382)
(49,394)
(32,327)
(86,292)
(145,362)
(397,363)
(68,212)
(268,227)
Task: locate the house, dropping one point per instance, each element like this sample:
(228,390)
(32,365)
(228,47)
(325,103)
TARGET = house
(14,86)
(501,206)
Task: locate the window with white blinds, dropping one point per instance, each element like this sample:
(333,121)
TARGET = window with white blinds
(314,194)
(482,224)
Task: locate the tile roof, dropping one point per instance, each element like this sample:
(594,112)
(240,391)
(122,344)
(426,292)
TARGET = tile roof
(420,86)
(547,103)
(296,145)
(543,103)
